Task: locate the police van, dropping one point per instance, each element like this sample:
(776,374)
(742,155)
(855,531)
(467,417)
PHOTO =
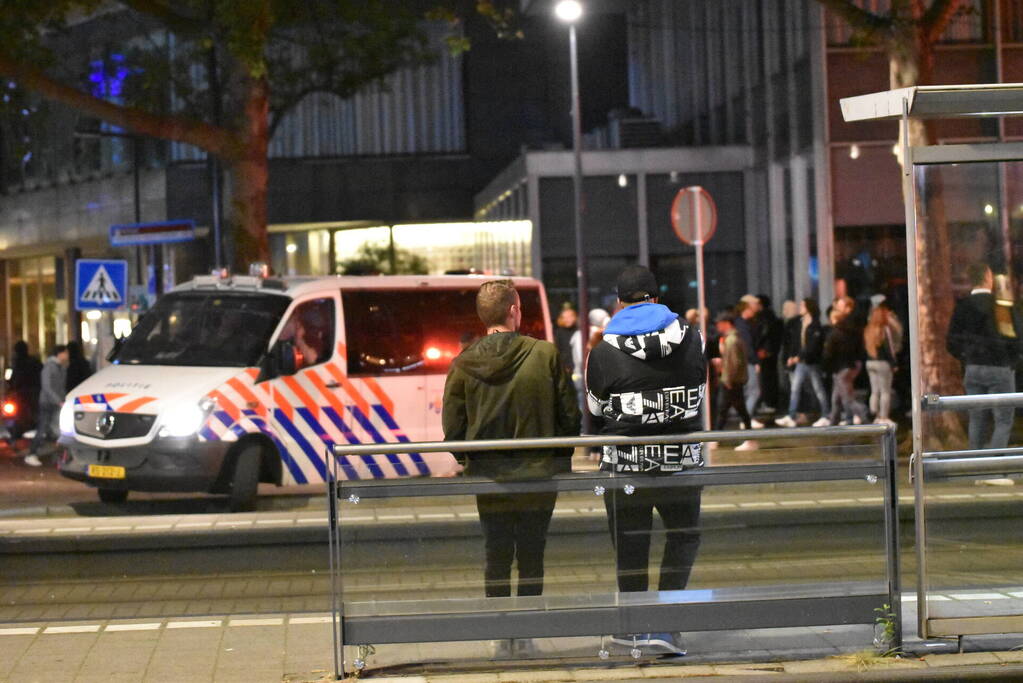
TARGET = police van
(229,381)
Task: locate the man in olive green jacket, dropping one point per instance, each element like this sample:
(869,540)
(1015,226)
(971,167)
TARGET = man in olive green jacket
(505,386)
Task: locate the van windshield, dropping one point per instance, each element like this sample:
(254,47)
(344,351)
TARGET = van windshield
(204,329)
(419,331)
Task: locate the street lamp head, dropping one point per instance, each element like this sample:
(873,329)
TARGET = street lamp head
(568,11)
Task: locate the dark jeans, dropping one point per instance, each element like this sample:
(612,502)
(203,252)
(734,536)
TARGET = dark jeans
(514,528)
(729,398)
(990,379)
(46,428)
(630,519)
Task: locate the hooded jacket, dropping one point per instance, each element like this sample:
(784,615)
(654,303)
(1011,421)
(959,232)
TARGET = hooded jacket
(648,377)
(52,389)
(506,386)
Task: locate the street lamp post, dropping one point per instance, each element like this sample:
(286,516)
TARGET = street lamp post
(569,11)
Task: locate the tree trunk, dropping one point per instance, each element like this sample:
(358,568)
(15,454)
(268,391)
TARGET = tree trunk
(910,64)
(248,176)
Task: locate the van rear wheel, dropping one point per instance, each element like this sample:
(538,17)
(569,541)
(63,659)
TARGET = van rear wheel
(113,495)
(245,479)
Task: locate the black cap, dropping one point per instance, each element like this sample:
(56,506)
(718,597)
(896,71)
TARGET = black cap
(635,284)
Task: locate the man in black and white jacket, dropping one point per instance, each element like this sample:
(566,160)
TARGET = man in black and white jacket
(648,377)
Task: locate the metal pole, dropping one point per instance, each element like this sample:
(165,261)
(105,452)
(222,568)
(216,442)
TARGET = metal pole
(135,156)
(577,192)
(212,162)
(701,294)
(909,199)
(889,449)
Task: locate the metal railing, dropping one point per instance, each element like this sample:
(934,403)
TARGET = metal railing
(553,616)
(952,464)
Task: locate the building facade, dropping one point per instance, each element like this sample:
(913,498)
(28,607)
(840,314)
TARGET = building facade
(738,97)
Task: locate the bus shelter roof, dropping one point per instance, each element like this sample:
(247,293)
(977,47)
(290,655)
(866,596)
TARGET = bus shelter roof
(937,101)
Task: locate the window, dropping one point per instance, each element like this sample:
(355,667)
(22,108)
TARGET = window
(204,329)
(419,331)
(311,329)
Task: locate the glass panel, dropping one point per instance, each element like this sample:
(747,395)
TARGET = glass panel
(970,223)
(311,329)
(200,328)
(33,303)
(432,550)
(402,332)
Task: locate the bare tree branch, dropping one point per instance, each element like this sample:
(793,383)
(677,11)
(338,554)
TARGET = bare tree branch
(936,19)
(858,18)
(216,140)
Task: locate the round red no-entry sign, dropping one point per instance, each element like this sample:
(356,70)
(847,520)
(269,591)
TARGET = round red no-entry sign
(694,216)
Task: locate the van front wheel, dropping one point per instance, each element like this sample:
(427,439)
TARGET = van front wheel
(245,479)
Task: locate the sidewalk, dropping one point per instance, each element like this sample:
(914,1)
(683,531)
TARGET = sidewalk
(273,648)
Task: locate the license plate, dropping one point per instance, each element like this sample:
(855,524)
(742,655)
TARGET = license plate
(106,471)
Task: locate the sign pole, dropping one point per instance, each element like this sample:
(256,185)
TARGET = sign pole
(701,298)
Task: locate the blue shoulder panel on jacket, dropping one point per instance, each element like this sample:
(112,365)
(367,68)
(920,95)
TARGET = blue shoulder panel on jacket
(640,319)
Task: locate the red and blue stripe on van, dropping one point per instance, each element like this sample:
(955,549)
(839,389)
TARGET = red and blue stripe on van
(314,416)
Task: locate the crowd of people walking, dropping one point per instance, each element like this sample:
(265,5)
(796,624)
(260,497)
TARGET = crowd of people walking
(800,368)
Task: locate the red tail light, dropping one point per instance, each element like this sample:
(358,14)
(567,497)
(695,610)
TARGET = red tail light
(9,408)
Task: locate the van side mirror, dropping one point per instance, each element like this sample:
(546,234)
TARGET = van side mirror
(278,361)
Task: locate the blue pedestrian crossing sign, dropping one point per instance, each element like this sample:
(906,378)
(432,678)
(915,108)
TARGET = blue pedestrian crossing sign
(100,284)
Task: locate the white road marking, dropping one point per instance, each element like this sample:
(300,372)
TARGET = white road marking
(442,515)
(23,631)
(33,531)
(140,527)
(837,501)
(718,506)
(80,628)
(310,620)
(152,626)
(72,529)
(879,499)
(194,525)
(274,521)
(765,504)
(278,621)
(793,503)
(395,517)
(954,496)
(212,623)
(980,596)
(112,528)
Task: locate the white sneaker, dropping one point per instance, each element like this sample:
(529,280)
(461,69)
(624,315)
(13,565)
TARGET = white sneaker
(785,422)
(748,446)
(822,422)
(757,424)
(32,460)
(857,420)
(843,423)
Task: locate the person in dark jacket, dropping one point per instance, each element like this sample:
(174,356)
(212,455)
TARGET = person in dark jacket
(51,398)
(772,333)
(843,357)
(647,377)
(988,355)
(78,367)
(24,386)
(806,337)
(506,385)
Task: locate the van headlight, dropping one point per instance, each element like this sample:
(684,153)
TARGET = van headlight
(184,420)
(67,418)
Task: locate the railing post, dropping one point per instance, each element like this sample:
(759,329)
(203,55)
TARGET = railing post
(889,452)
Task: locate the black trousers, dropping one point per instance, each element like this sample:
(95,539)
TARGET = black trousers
(728,398)
(514,529)
(630,519)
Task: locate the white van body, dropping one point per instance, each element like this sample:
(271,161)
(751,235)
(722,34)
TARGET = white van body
(194,404)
